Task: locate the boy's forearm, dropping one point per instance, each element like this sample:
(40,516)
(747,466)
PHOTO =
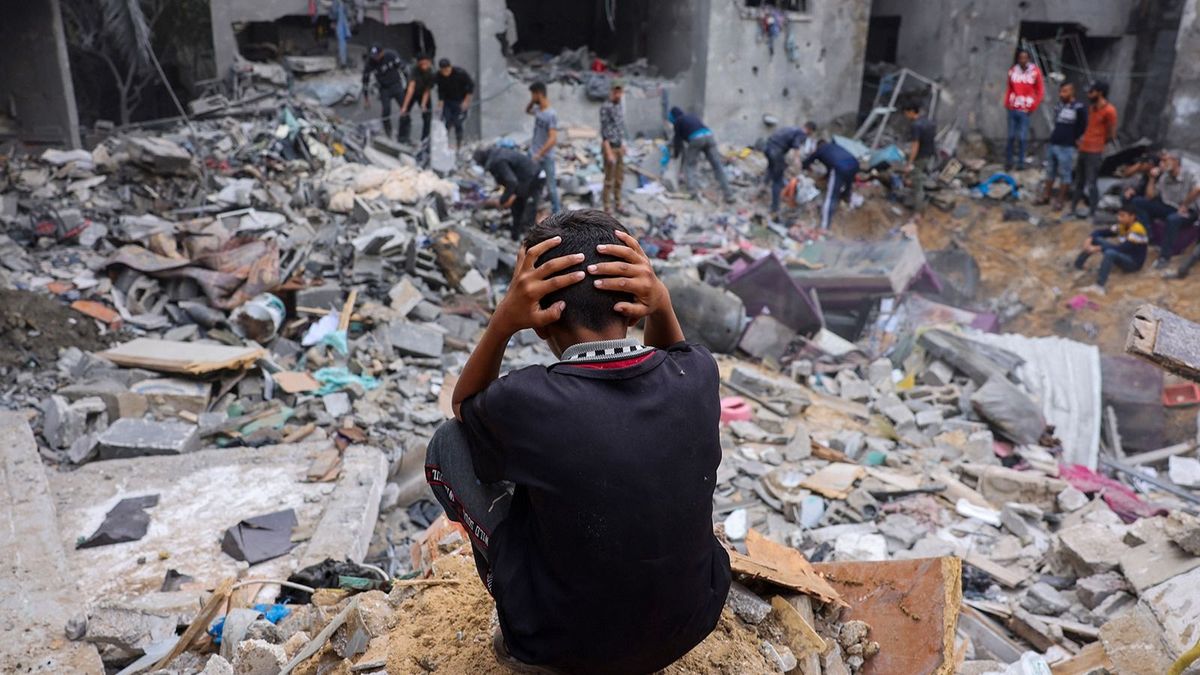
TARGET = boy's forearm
(662,327)
(483,366)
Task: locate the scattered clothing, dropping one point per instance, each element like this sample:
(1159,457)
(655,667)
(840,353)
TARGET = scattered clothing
(608,533)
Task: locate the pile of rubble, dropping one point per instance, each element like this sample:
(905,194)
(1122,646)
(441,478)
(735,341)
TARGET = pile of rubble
(239,334)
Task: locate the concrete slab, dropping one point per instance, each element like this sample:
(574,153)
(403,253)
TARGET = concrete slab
(36,598)
(200,495)
(1176,603)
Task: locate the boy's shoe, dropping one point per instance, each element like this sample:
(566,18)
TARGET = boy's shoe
(1095,289)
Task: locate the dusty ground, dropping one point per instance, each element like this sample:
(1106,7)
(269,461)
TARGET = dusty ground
(449,628)
(33,326)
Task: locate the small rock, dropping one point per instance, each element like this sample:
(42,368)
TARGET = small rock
(879,373)
(337,404)
(295,643)
(1097,588)
(1041,598)
(1071,499)
(747,605)
(737,525)
(264,630)
(217,665)
(390,499)
(259,657)
(858,546)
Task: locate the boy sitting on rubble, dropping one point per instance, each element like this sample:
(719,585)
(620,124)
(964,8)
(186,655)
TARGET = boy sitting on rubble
(1124,245)
(586,486)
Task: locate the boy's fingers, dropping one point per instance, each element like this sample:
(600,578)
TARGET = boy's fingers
(545,317)
(623,252)
(552,267)
(630,241)
(541,247)
(547,286)
(613,269)
(634,310)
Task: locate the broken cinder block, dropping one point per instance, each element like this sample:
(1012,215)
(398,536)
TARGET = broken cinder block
(138,438)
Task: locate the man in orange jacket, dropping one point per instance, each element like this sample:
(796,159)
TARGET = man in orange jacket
(1026,88)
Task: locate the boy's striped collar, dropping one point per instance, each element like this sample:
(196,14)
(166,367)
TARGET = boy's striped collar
(604,350)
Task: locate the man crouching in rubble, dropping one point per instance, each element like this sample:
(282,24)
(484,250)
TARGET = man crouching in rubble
(586,486)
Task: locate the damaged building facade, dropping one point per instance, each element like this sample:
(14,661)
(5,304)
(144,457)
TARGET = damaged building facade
(712,56)
(1145,51)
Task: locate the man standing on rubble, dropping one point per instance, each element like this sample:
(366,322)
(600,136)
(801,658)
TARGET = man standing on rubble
(841,167)
(922,152)
(1101,130)
(1070,121)
(586,486)
(388,69)
(420,90)
(779,144)
(522,181)
(612,143)
(545,137)
(455,88)
(692,139)
(1026,89)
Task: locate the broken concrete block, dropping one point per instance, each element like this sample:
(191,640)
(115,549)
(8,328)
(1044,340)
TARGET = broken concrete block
(856,390)
(329,296)
(1154,562)
(747,605)
(473,283)
(404,296)
(737,524)
(1010,410)
(1184,530)
(800,446)
(929,417)
(1176,603)
(168,396)
(124,634)
(1000,485)
(1071,499)
(1097,588)
(158,154)
(337,404)
(1043,599)
(412,339)
(902,529)
(879,373)
(1113,606)
(136,438)
(937,374)
(1091,548)
(259,657)
(1184,471)
(766,338)
(59,427)
(855,546)
(217,665)
(900,415)
(1134,642)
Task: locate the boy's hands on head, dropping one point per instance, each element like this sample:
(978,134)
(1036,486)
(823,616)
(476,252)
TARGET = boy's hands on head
(521,307)
(634,275)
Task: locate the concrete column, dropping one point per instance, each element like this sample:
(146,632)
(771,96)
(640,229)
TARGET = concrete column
(35,72)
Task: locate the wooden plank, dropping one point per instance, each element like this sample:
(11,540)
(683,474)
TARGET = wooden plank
(1008,577)
(1166,339)
(200,623)
(1089,659)
(790,568)
(989,636)
(189,358)
(912,607)
(1154,456)
(802,637)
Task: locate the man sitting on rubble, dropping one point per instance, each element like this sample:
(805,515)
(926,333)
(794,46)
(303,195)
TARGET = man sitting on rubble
(1171,193)
(586,486)
(522,180)
(1127,252)
(692,139)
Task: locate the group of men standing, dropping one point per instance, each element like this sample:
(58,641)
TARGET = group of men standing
(414,86)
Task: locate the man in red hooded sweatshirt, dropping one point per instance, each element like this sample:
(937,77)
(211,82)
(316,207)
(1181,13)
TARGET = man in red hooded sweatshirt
(1026,87)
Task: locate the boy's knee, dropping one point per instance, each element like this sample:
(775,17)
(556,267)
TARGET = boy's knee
(450,435)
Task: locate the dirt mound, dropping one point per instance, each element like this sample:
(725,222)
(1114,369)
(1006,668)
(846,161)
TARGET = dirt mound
(449,628)
(33,326)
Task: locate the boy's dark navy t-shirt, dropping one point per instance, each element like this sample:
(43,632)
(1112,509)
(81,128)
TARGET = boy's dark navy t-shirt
(607,560)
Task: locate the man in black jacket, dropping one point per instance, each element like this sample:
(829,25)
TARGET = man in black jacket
(388,69)
(522,180)
(455,89)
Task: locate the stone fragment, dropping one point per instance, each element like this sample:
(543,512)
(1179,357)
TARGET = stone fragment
(1091,548)
(737,525)
(259,657)
(295,643)
(1133,641)
(1113,605)
(747,605)
(766,338)
(1071,499)
(879,373)
(1043,599)
(1097,588)
(937,374)
(129,437)
(329,296)
(217,665)
(1176,604)
(413,339)
(858,546)
(336,404)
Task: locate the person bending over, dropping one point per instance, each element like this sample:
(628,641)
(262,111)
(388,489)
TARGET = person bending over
(1123,245)
(586,486)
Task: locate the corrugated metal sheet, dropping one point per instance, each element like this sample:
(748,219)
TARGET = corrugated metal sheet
(1064,376)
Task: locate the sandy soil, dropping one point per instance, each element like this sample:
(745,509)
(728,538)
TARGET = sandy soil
(33,326)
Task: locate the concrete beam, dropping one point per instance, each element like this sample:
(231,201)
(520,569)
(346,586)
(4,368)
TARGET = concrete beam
(37,591)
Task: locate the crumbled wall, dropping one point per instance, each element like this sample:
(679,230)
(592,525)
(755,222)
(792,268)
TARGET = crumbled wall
(1183,108)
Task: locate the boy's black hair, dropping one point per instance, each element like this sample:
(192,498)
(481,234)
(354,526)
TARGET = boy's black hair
(537,88)
(581,231)
(910,104)
(1127,207)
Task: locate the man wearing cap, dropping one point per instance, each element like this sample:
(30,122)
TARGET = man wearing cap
(1101,129)
(389,75)
(455,88)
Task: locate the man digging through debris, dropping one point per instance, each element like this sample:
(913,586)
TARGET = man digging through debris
(586,486)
